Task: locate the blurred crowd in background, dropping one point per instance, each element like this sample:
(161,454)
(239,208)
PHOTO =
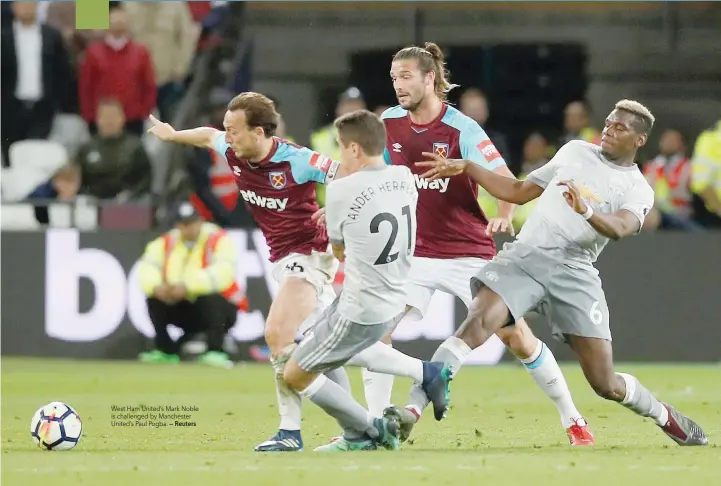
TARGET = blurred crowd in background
(75,106)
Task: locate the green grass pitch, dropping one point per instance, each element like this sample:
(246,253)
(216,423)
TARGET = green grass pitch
(501,430)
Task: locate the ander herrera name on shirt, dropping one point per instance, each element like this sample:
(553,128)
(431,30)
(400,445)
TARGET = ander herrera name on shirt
(370,192)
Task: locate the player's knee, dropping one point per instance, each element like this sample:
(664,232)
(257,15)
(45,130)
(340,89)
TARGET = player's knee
(519,339)
(272,335)
(277,336)
(605,387)
(472,331)
(292,375)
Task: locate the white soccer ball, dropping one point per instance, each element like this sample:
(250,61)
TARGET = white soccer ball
(56,427)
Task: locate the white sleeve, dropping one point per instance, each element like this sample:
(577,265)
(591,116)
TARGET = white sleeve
(334,213)
(638,201)
(544,174)
(412,182)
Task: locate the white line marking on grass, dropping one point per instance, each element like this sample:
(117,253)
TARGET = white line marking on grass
(353,467)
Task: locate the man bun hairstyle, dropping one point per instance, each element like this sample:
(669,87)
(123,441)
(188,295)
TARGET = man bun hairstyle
(644,117)
(430,58)
(364,128)
(259,111)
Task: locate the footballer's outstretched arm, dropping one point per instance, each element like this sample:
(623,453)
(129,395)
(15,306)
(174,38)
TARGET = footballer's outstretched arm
(499,186)
(505,208)
(201,137)
(502,187)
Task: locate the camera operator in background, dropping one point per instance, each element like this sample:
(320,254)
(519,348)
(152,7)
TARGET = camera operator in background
(188,275)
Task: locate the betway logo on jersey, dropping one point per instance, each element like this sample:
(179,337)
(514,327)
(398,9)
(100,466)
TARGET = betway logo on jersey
(274,203)
(437,185)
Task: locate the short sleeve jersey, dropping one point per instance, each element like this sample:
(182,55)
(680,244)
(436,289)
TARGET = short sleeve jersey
(554,226)
(451,224)
(372,212)
(279,191)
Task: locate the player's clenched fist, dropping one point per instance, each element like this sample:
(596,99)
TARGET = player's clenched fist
(441,167)
(161,130)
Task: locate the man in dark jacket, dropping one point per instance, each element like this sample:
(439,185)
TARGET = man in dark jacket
(36,79)
(114,163)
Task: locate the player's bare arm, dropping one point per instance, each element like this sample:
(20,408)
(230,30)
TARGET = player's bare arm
(501,187)
(615,226)
(503,223)
(202,137)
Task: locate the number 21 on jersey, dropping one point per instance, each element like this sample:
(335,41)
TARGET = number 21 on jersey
(385,219)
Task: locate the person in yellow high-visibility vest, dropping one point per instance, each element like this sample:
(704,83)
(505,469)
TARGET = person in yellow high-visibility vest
(188,275)
(324,140)
(706,173)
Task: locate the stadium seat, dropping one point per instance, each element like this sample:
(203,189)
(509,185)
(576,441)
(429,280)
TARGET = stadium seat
(32,162)
(17,184)
(18,217)
(43,155)
(21,216)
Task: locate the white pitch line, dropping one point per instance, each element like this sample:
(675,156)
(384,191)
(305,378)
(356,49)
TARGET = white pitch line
(352,467)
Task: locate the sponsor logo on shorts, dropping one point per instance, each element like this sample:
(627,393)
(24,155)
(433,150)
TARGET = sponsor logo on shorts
(294,267)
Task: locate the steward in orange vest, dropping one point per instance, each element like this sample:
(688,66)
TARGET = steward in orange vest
(188,275)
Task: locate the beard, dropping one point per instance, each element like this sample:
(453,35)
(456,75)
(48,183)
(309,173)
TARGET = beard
(413,104)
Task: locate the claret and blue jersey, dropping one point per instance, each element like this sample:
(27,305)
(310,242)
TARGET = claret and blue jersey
(280,193)
(451,223)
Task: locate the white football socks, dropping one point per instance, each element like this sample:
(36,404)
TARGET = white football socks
(378,390)
(383,358)
(380,364)
(547,374)
(289,406)
(641,401)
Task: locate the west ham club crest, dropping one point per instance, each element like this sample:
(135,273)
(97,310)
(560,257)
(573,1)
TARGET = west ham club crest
(277,179)
(441,149)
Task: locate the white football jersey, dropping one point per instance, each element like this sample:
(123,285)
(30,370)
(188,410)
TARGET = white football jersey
(606,187)
(373,213)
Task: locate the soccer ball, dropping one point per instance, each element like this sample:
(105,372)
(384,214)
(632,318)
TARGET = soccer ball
(56,427)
